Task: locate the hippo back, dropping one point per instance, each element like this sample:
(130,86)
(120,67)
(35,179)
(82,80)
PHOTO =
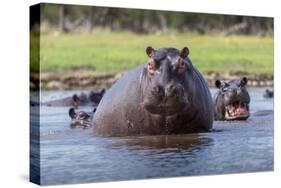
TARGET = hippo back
(113,111)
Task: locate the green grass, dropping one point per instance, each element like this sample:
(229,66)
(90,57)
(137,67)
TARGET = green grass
(115,52)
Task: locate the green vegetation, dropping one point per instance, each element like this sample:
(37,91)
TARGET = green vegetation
(113,52)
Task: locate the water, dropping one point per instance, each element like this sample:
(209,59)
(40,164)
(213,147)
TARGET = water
(76,156)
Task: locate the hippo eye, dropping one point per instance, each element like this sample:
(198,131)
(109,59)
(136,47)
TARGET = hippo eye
(151,66)
(181,66)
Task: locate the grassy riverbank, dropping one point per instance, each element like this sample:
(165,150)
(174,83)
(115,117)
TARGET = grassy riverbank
(96,59)
(111,53)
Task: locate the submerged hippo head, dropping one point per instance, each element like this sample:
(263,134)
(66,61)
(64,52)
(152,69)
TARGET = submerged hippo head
(80,119)
(165,73)
(96,96)
(232,100)
(268,93)
(79,100)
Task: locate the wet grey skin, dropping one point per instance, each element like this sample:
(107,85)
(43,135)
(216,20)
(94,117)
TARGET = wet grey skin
(91,99)
(232,100)
(81,119)
(166,95)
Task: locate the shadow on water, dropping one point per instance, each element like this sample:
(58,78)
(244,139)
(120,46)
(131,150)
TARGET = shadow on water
(163,143)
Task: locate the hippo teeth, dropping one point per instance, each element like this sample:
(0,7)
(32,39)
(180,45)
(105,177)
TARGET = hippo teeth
(237,110)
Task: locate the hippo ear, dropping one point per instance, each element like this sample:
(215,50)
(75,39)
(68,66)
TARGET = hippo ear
(72,113)
(75,98)
(95,109)
(149,51)
(244,81)
(218,84)
(184,52)
(102,91)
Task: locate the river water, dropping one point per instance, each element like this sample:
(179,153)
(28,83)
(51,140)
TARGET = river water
(76,156)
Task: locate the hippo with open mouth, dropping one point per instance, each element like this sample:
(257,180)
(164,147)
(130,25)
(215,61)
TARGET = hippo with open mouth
(232,100)
(81,119)
(167,95)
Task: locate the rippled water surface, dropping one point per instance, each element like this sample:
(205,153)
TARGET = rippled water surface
(76,156)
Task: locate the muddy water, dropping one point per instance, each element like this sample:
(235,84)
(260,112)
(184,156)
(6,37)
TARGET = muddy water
(76,156)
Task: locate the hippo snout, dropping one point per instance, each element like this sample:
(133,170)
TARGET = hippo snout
(237,96)
(158,91)
(166,100)
(232,100)
(170,90)
(167,91)
(231,93)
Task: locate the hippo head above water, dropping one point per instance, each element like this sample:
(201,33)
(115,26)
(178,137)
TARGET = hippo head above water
(78,100)
(165,71)
(165,95)
(232,100)
(268,93)
(96,96)
(81,119)
(93,98)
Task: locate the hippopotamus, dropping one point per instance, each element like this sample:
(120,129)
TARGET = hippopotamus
(268,93)
(166,95)
(91,99)
(95,96)
(232,100)
(81,119)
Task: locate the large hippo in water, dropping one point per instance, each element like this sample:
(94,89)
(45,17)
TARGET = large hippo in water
(167,95)
(232,100)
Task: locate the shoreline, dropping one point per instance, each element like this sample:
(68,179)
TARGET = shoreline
(89,79)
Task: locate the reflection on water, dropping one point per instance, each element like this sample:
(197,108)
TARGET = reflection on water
(162,142)
(76,156)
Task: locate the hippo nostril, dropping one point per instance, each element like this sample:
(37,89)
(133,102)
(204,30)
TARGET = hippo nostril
(170,89)
(155,89)
(158,90)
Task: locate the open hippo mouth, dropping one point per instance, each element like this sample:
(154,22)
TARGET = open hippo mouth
(237,111)
(81,124)
(81,119)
